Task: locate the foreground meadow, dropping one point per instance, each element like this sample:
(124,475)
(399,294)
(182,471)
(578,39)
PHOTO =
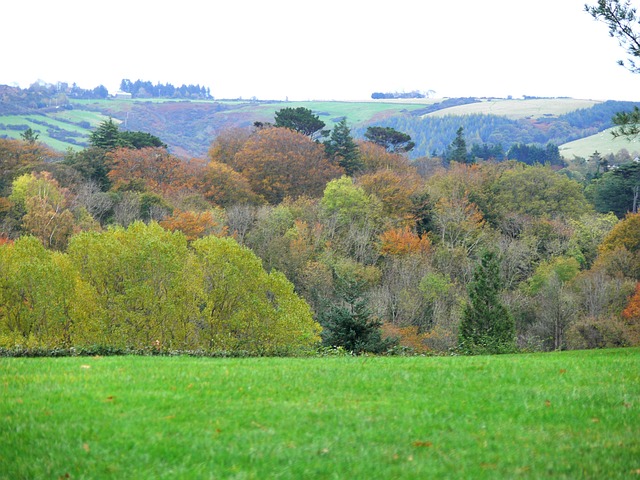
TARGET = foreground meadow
(558,415)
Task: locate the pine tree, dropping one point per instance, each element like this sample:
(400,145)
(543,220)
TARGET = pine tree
(486,326)
(106,136)
(342,147)
(457,151)
(350,324)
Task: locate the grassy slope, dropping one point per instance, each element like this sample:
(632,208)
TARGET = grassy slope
(559,415)
(516,109)
(602,142)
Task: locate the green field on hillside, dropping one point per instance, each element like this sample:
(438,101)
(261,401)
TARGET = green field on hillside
(602,142)
(558,415)
(517,109)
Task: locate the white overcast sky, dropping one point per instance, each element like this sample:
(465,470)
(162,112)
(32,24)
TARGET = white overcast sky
(330,49)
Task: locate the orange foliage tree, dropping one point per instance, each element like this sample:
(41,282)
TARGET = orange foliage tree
(403,241)
(280,163)
(193,224)
(223,186)
(152,169)
(394,189)
(632,310)
(16,155)
(620,249)
(228,142)
(375,157)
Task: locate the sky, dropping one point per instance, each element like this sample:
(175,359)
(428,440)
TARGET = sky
(320,50)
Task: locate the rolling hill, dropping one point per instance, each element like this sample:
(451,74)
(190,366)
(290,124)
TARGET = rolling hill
(189,126)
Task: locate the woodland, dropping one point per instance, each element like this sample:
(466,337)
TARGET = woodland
(287,238)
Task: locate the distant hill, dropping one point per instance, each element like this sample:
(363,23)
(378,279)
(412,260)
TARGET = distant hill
(189,126)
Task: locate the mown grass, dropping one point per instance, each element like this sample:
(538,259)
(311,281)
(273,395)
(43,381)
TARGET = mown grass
(562,415)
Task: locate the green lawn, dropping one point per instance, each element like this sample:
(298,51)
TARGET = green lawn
(562,415)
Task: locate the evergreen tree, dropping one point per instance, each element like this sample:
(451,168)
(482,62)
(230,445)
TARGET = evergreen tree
(29,136)
(343,149)
(350,324)
(390,138)
(106,136)
(486,325)
(457,151)
(301,120)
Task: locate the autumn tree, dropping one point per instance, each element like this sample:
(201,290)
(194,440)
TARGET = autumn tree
(223,186)
(44,204)
(227,144)
(619,252)
(149,169)
(395,190)
(18,157)
(279,163)
(193,224)
(486,325)
(375,157)
(631,316)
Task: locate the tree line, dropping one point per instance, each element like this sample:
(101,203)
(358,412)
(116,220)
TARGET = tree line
(146,89)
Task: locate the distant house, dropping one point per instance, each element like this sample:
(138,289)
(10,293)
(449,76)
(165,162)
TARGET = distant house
(121,94)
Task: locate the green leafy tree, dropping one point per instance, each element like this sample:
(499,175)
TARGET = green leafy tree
(617,191)
(246,308)
(486,325)
(44,303)
(301,120)
(343,149)
(147,284)
(537,191)
(390,138)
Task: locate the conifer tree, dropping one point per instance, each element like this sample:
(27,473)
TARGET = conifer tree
(486,326)
(343,149)
(350,324)
(458,148)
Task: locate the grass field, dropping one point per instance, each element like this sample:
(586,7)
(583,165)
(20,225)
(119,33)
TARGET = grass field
(602,142)
(561,415)
(516,109)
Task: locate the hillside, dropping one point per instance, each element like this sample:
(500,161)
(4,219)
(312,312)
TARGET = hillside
(189,126)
